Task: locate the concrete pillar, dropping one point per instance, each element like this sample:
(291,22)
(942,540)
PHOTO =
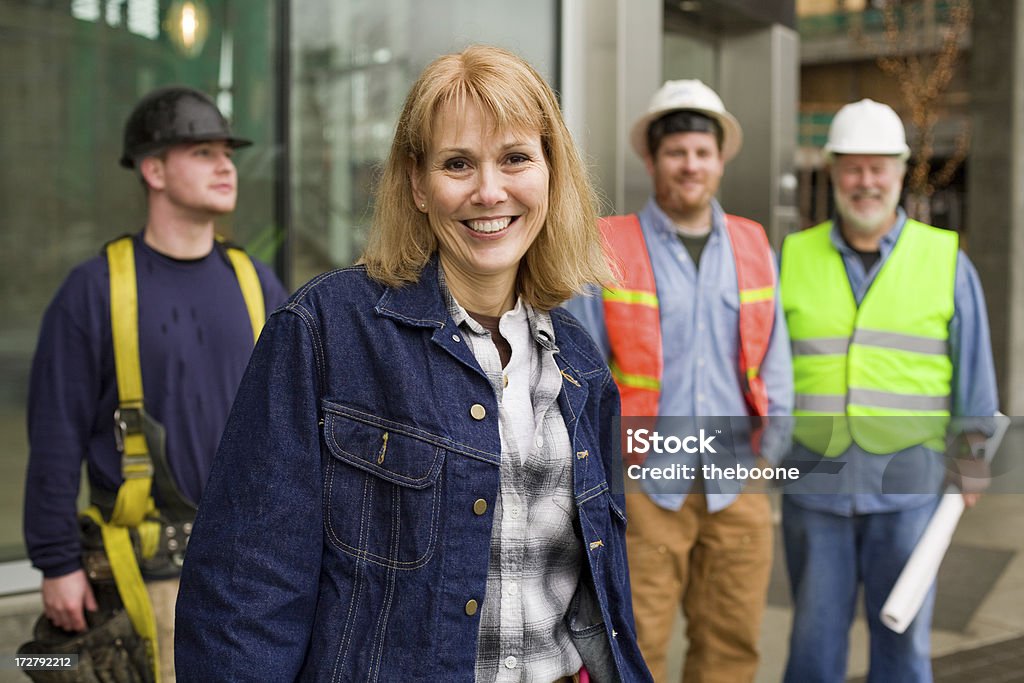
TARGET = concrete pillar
(611,65)
(995,213)
(759,83)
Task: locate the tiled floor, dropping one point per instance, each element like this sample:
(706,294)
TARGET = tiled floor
(978,629)
(998,663)
(1001,662)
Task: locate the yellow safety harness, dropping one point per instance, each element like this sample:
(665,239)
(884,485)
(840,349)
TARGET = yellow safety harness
(134,507)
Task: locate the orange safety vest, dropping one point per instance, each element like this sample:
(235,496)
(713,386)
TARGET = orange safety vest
(633,321)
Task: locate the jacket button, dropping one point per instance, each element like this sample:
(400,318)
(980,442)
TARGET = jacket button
(478,411)
(471,608)
(480,506)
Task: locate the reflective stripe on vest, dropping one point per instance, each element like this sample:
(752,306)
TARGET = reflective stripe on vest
(885,359)
(755,277)
(632,319)
(634,324)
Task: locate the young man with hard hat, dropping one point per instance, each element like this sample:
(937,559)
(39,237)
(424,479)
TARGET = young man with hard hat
(694,329)
(890,354)
(138,359)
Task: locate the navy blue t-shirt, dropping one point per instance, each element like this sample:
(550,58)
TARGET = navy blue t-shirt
(195,339)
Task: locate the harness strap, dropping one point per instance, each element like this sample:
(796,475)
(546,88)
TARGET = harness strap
(130,585)
(134,504)
(136,467)
(249,282)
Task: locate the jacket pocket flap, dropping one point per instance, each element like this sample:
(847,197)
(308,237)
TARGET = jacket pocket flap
(384,452)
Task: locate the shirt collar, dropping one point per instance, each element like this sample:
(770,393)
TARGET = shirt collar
(659,220)
(541,328)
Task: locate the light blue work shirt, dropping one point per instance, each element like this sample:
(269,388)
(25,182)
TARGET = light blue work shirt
(913,476)
(699,311)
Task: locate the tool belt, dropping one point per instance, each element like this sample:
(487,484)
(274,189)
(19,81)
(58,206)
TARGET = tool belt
(110,651)
(158,545)
(120,643)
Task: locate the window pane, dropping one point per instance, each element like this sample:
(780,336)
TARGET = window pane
(70,74)
(352,65)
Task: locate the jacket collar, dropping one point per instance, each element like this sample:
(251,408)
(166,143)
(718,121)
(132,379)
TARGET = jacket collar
(419,303)
(422,304)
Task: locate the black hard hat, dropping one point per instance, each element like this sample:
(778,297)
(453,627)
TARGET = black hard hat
(172,115)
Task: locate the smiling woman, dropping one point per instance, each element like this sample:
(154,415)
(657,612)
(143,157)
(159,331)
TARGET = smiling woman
(486,196)
(416,472)
(507,101)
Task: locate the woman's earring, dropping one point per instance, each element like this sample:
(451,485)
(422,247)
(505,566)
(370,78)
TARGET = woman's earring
(423,207)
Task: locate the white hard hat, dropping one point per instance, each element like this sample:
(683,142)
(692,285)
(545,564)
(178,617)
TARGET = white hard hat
(688,95)
(867,127)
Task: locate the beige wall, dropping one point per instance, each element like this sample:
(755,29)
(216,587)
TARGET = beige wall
(811,7)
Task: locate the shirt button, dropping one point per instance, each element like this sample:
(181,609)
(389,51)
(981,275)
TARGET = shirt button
(478,411)
(480,506)
(513,589)
(510,662)
(504,381)
(456,338)
(514,512)
(471,607)
(539,441)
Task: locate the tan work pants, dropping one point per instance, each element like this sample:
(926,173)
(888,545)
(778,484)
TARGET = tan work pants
(717,567)
(163,595)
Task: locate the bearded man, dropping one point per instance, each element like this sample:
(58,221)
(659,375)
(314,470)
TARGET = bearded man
(891,355)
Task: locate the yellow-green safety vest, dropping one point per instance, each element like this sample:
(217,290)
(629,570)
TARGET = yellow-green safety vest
(883,360)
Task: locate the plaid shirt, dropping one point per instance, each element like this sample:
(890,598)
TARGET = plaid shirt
(536,554)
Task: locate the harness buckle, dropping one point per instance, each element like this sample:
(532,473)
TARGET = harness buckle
(126,421)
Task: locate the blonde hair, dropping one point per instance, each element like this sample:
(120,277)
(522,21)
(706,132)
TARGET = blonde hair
(567,254)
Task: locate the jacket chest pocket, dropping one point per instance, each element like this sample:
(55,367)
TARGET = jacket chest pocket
(382,492)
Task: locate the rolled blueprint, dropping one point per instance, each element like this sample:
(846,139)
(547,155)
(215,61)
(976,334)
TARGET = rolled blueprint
(908,594)
(918,574)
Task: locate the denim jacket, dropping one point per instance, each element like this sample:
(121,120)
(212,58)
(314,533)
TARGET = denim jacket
(345,529)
